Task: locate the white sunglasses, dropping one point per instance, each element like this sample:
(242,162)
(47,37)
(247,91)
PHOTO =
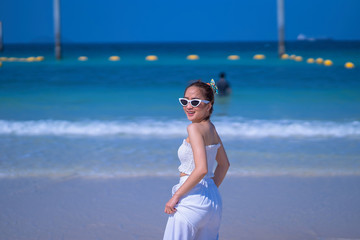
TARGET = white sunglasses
(194,102)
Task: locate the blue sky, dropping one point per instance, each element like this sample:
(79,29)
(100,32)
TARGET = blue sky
(27,21)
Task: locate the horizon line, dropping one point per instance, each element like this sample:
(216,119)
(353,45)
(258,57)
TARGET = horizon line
(182,42)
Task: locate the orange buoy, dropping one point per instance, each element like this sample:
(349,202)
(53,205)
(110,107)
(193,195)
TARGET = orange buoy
(298,58)
(328,62)
(310,60)
(83,58)
(259,56)
(285,56)
(39,58)
(192,57)
(114,58)
(349,65)
(233,57)
(319,60)
(30,59)
(151,58)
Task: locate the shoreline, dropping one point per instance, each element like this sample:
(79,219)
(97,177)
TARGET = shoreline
(277,207)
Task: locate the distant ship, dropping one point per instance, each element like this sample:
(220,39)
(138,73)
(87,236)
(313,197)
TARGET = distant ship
(302,37)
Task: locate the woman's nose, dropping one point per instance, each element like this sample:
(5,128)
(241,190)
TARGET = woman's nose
(189,106)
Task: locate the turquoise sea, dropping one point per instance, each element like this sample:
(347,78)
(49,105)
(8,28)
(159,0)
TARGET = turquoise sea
(99,118)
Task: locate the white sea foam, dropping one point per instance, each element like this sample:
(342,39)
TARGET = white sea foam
(227,127)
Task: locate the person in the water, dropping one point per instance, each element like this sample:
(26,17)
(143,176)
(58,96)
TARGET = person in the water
(223,85)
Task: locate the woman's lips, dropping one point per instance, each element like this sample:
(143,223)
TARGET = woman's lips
(190,113)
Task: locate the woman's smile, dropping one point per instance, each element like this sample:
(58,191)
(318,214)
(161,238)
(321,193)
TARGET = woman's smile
(190,113)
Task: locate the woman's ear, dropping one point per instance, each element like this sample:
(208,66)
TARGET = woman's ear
(209,106)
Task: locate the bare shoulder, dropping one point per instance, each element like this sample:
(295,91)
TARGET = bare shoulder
(206,131)
(194,128)
(196,137)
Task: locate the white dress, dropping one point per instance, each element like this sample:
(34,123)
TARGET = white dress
(198,212)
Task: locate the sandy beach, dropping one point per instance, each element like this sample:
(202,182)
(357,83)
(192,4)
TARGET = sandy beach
(132,208)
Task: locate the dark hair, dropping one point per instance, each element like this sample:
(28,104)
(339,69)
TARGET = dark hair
(222,75)
(207,91)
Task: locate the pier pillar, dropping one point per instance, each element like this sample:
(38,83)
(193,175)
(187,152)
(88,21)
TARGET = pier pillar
(57,29)
(1,38)
(281,27)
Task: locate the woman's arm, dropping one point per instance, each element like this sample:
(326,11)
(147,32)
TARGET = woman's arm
(199,152)
(223,165)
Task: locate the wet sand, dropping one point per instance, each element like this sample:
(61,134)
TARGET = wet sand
(132,208)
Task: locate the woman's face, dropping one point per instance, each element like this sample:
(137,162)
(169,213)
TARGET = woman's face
(196,114)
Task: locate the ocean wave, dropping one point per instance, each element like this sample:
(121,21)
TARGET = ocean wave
(172,128)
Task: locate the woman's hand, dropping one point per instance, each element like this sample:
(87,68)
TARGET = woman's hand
(170,205)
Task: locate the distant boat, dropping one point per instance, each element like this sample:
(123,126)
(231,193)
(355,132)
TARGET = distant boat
(303,37)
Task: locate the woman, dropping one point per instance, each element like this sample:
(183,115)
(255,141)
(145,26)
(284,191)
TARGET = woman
(195,207)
